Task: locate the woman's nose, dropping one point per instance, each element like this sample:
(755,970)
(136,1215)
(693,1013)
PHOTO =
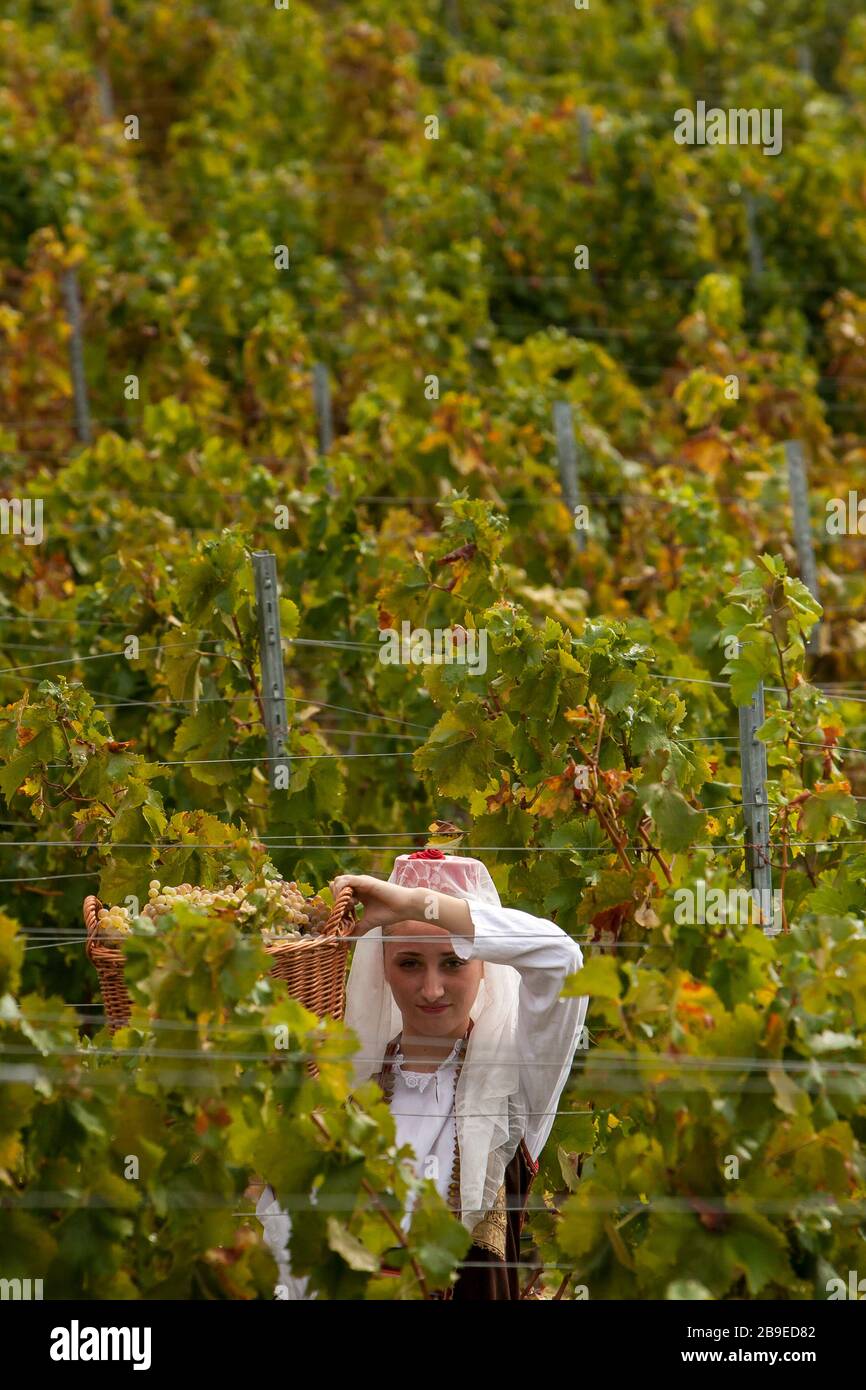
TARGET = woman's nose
(433,988)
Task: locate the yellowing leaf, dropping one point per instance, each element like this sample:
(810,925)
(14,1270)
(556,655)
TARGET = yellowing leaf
(599,976)
(356,1255)
(707,453)
(788,1096)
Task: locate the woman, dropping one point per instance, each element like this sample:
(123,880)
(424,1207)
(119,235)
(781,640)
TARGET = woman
(455,1000)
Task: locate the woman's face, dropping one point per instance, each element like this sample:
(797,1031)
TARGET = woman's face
(434,989)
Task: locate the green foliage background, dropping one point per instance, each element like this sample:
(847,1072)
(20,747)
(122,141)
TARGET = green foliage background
(411,258)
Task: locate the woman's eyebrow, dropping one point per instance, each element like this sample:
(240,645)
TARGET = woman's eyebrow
(409,954)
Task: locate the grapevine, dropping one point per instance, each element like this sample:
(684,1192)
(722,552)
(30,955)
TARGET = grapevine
(428,189)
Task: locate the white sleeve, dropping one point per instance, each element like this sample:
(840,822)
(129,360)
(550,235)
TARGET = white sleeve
(277,1226)
(548,1028)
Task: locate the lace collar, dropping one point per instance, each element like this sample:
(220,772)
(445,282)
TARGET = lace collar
(421,1079)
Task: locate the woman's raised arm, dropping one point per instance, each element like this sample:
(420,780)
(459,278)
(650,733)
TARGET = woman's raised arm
(548,1028)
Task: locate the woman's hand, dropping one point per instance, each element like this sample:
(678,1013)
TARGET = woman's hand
(383,903)
(387,903)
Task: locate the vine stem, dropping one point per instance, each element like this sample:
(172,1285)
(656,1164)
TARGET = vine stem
(773,613)
(87,800)
(656,854)
(612,836)
(606,825)
(598,740)
(386,1216)
(250,670)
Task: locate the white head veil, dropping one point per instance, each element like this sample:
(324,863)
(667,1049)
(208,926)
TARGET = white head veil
(488,1103)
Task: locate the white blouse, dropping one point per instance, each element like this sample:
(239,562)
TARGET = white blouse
(422,1104)
(423,1109)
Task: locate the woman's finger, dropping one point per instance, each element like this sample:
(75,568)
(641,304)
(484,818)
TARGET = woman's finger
(355,881)
(343,881)
(383,903)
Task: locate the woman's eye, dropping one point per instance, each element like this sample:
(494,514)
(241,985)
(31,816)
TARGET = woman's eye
(455,964)
(408,964)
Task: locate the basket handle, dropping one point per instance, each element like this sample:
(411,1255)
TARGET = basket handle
(92,907)
(343,919)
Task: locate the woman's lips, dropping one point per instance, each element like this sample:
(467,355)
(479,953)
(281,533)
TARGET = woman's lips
(433,1008)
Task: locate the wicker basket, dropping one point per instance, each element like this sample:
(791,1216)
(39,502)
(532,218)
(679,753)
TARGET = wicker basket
(314,968)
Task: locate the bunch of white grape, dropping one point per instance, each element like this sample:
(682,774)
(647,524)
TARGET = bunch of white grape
(114,922)
(287,911)
(278,908)
(162,900)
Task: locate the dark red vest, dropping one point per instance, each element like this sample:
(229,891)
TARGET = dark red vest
(483,1275)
